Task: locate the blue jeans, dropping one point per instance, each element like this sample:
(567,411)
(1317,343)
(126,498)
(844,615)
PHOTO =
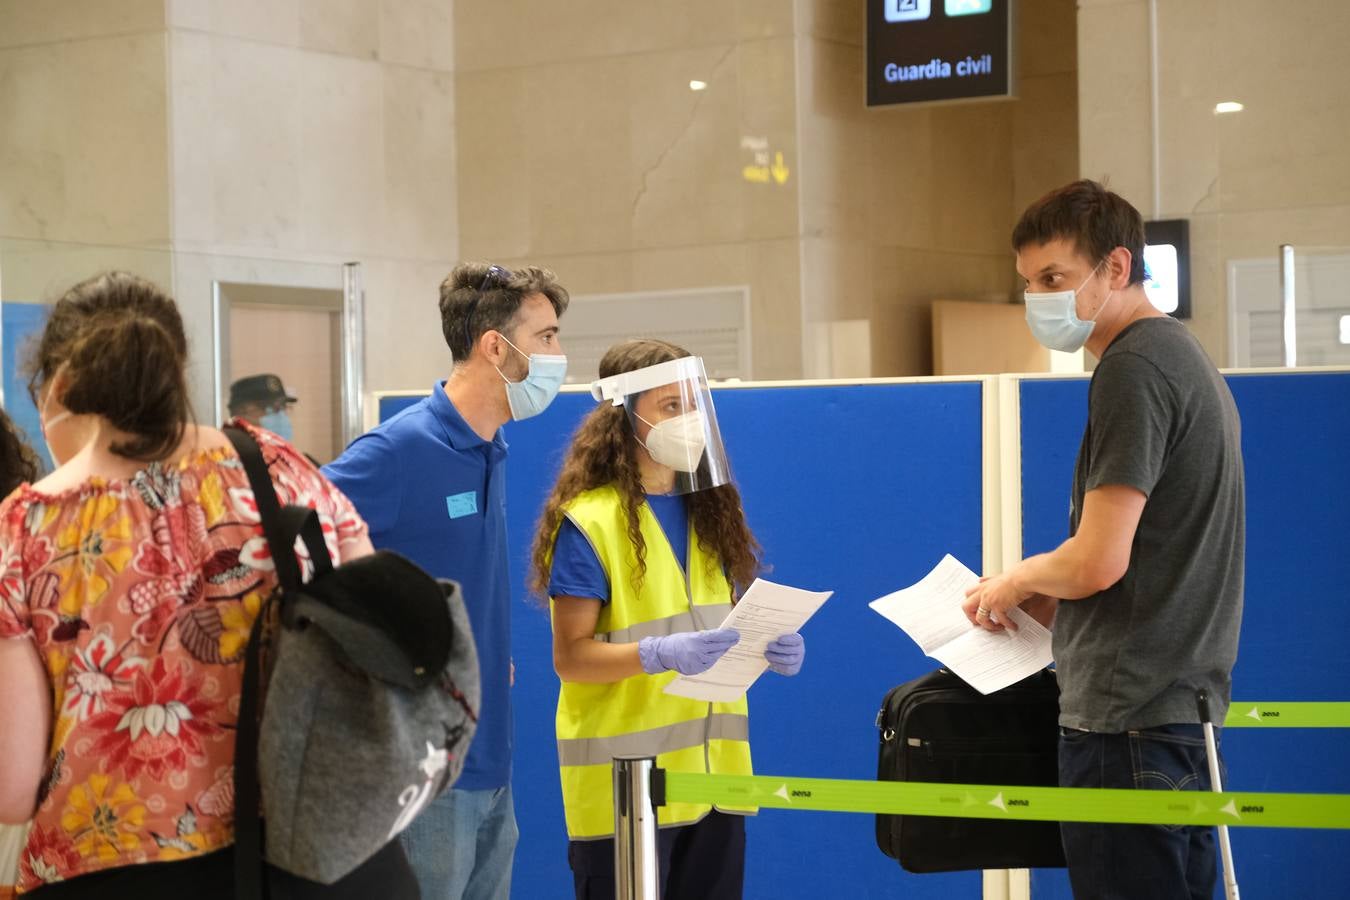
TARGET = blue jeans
(1157,862)
(462,845)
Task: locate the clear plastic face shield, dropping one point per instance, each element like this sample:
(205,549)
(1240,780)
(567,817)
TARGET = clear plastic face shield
(671,411)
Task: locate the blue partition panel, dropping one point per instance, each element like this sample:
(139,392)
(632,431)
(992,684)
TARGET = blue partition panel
(859,489)
(1053,414)
(21,323)
(1296,449)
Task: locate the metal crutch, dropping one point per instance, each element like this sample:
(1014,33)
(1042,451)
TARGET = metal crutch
(1230,885)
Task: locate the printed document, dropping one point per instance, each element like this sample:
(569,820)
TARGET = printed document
(767,611)
(930,613)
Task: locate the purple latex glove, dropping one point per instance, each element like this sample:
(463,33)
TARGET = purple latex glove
(688,653)
(785,653)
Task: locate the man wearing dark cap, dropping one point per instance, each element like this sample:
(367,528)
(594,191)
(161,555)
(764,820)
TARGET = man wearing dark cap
(264,401)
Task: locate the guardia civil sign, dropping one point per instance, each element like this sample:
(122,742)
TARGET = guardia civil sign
(926,51)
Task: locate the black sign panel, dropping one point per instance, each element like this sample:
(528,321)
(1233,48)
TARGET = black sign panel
(1167,266)
(919,51)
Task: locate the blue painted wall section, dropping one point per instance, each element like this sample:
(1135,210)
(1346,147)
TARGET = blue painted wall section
(21,323)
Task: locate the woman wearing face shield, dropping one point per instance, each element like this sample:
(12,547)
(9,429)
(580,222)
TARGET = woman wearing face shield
(642,549)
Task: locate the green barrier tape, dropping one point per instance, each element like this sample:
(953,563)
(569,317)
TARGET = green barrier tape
(1248,714)
(983,801)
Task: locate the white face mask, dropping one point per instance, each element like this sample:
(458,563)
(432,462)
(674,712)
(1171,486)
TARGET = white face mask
(678,442)
(47,424)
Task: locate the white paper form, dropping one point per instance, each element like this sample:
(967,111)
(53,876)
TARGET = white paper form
(765,612)
(930,613)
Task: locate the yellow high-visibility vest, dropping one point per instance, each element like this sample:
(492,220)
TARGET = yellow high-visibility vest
(597,722)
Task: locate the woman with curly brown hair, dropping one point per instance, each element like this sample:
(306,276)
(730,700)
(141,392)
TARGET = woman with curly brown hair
(643,548)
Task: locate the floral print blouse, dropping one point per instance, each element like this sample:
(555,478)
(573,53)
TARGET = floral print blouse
(139,594)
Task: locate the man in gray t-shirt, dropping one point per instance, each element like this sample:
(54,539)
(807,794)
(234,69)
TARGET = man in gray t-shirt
(1160,421)
(1146,594)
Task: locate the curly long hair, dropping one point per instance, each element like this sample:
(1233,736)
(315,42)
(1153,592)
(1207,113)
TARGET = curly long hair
(604,451)
(18,462)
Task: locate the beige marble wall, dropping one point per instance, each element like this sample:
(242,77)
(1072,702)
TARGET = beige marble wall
(297,134)
(306,133)
(1274,173)
(582,147)
(247,140)
(901,206)
(83,129)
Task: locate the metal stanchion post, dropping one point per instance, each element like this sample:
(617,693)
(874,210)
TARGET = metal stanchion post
(635,866)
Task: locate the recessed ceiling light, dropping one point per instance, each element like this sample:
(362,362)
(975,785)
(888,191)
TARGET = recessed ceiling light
(1227,106)
(697,85)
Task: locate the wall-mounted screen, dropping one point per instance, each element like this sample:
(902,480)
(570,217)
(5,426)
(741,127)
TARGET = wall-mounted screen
(921,51)
(1167,266)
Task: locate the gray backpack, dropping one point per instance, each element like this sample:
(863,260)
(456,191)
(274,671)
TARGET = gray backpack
(372,696)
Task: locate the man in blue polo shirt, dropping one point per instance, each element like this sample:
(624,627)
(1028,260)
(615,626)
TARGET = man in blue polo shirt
(430,483)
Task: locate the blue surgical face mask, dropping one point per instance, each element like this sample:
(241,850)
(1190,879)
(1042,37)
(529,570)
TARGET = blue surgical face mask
(1053,318)
(279,423)
(531,395)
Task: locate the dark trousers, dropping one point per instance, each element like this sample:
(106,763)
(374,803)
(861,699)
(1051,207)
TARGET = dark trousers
(1138,862)
(703,861)
(385,875)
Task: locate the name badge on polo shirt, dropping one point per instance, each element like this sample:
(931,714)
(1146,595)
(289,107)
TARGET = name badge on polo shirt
(461,505)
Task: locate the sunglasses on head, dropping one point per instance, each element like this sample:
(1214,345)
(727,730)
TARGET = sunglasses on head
(494,273)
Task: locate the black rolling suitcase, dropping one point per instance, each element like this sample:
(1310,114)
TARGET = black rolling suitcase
(938,728)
